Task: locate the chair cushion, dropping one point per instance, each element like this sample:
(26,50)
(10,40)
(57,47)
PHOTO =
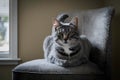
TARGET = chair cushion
(41,66)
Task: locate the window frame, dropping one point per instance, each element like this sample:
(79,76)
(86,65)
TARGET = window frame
(12,56)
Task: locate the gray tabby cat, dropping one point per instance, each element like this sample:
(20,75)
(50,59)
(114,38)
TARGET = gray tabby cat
(66,46)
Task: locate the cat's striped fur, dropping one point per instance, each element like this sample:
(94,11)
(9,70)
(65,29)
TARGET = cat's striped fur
(65,46)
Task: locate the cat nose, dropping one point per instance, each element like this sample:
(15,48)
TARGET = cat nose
(65,41)
(65,37)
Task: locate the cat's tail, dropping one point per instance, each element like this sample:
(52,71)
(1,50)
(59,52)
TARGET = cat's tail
(62,17)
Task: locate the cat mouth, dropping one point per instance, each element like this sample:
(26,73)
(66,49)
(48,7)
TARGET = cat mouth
(65,41)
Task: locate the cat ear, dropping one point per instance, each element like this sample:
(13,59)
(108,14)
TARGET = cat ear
(55,23)
(75,21)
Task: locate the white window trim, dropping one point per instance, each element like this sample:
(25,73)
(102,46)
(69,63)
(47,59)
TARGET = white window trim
(12,58)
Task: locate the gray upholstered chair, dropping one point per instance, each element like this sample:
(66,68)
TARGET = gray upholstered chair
(96,26)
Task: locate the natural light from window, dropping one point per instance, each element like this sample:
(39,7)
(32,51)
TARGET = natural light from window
(4,26)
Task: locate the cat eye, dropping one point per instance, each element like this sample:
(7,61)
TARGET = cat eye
(60,35)
(74,35)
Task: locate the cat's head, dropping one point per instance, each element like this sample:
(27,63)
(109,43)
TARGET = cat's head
(66,32)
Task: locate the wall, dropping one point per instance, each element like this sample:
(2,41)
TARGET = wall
(35,21)
(6,72)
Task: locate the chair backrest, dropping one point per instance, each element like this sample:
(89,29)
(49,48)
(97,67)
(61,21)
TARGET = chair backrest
(98,30)
(95,24)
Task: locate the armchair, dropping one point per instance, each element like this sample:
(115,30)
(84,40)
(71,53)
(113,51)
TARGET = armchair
(96,26)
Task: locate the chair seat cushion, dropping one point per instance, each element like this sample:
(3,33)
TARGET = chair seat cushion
(41,66)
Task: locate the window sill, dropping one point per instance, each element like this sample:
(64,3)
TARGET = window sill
(9,61)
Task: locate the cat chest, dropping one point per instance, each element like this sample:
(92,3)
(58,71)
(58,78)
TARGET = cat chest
(67,49)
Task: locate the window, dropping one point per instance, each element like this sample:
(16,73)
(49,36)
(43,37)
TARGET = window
(8,32)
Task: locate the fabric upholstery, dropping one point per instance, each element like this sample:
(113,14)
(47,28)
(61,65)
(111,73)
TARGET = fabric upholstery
(43,67)
(40,69)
